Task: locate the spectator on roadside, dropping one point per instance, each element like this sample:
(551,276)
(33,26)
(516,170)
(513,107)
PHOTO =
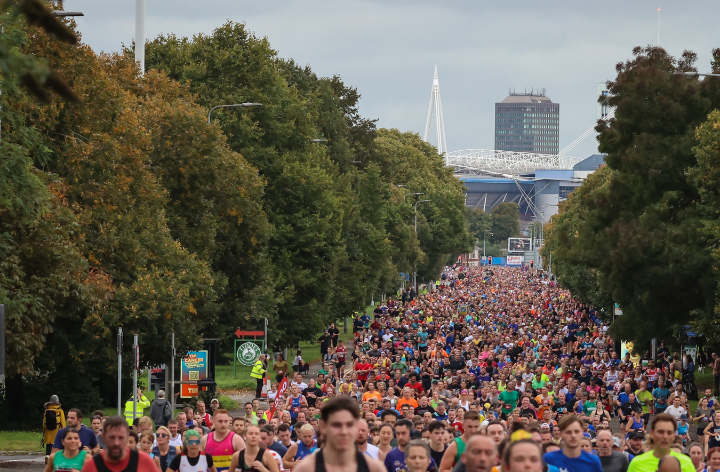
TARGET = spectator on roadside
(160,410)
(53,421)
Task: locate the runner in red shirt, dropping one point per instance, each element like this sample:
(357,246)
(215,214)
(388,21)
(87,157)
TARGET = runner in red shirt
(341,352)
(414,384)
(118,457)
(363,367)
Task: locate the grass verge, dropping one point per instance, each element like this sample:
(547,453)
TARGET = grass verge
(228,380)
(25,441)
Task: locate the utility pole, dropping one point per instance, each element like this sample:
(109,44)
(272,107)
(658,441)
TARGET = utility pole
(140,34)
(119,354)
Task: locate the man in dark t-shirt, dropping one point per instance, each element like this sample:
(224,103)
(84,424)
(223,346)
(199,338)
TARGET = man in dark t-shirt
(324,342)
(334,334)
(87,435)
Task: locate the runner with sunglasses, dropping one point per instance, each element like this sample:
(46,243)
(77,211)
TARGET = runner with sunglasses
(192,458)
(163,452)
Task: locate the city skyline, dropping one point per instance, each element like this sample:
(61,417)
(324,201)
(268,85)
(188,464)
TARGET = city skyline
(383,49)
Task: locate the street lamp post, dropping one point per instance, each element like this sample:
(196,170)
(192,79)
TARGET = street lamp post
(140,34)
(695,74)
(416,204)
(407,194)
(63,14)
(485,232)
(242,105)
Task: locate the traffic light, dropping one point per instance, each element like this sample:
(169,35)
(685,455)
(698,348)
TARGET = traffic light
(532,264)
(489,260)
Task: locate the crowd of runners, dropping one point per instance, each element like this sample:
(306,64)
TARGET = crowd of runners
(495,369)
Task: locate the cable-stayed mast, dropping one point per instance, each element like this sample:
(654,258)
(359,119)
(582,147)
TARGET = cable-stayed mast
(435,110)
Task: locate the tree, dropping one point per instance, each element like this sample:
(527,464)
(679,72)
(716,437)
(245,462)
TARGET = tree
(304,193)
(706,175)
(569,240)
(405,158)
(637,226)
(505,221)
(478,223)
(335,214)
(130,166)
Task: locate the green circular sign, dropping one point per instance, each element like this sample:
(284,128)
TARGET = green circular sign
(248,353)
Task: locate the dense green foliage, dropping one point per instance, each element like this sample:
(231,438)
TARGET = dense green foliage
(341,229)
(642,232)
(126,209)
(505,219)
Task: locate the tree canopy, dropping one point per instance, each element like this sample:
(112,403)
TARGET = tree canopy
(127,209)
(640,231)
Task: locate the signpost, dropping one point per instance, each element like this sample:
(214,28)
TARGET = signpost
(193,368)
(242,348)
(248,353)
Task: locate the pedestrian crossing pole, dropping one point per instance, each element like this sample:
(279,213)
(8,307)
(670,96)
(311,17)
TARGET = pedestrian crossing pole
(136,362)
(172,374)
(119,354)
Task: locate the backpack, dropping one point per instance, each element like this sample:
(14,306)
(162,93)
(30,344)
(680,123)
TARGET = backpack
(51,422)
(167,414)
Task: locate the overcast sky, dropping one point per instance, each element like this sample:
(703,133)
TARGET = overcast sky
(388,49)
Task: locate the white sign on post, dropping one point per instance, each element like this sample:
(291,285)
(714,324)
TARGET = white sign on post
(515,260)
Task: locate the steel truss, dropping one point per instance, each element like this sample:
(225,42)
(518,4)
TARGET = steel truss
(509,162)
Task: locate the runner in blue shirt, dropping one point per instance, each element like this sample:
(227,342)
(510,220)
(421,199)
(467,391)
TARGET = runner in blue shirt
(571,458)
(395,459)
(661,395)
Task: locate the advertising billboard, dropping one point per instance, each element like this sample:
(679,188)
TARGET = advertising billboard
(518,245)
(193,368)
(515,260)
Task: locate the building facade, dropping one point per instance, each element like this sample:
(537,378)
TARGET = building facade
(527,122)
(602,110)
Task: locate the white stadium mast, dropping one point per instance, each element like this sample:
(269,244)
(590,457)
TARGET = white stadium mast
(435,110)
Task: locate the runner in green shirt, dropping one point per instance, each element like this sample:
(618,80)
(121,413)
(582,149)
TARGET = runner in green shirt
(399,365)
(662,434)
(509,398)
(645,398)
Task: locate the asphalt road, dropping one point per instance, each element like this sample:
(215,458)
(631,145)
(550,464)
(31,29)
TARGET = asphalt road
(25,462)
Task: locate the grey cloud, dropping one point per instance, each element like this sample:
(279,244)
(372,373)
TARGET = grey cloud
(387,49)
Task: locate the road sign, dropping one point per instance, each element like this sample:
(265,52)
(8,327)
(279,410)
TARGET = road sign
(247,353)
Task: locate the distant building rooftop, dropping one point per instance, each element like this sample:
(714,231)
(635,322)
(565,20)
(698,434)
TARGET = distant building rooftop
(591,163)
(517,98)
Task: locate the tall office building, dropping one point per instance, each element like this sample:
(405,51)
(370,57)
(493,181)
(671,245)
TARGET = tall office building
(602,110)
(527,122)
